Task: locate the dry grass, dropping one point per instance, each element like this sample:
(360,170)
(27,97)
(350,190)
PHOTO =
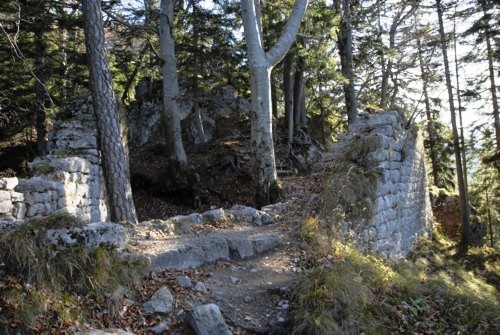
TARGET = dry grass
(431,293)
(44,285)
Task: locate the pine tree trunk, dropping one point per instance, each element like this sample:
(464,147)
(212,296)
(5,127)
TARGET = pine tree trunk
(115,163)
(431,129)
(464,203)
(42,95)
(459,101)
(346,59)
(493,87)
(288,96)
(298,92)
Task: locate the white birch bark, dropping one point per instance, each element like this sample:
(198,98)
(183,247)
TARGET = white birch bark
(261,64)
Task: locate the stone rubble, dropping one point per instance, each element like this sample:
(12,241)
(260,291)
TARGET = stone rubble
(207,320)
(93,235)
(160,303)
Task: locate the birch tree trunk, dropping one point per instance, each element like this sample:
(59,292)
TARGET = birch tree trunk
(261,64)
(115,162)
(464,203)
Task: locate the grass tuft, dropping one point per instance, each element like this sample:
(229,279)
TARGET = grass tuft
(431,292)
(45,284)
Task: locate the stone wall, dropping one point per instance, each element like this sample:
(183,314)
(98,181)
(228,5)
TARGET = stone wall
(69,179)
(400,210)
(12,206)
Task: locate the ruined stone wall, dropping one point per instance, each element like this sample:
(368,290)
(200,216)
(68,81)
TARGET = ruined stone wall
(69,179)
(400,211)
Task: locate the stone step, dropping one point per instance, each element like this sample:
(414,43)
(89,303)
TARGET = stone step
(182,252)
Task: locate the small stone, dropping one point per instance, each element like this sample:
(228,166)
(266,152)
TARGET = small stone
(207,320)
(247,299)
(184,281)
(234,280)
(200,287)
(160,303)
(160,328)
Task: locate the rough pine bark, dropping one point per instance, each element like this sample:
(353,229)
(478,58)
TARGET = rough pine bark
(346,60)
(288,95)
(261,64)
(115,163)
(491,69)
(431,129)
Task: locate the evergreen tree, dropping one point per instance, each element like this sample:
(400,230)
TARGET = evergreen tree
(464,203)
(115,160)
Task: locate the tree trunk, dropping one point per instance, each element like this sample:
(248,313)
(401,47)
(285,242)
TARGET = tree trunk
(288,96)
(274,98)
(171,120)
(464,203)
(42,95)
(298,92)
(431,129)
(115,163)
(195,85)
(346,60)
(261,64)
(459,101)
(491,68)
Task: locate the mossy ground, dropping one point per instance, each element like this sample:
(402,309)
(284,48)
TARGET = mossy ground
(44,288)
(432,292)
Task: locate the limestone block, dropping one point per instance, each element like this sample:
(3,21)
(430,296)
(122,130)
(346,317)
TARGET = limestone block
(81,190)
(88,141)
(61,203)
(17,196)
(5,206)
(19,210)
(39,184)
(214,215)
(61,176)
(35,209)
(49,208)
(5,195)
(357,127)
(265,243)
(7,183)
(378,155)
(386,130)
(194,218)
(70,188)
(71,164)
(240,248)
(94,235)
(366,235)
(383,119)
(207,320)
(394,156)
(161,302)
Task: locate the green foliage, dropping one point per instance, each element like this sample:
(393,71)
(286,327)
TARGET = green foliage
(53,280)
(432,292)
